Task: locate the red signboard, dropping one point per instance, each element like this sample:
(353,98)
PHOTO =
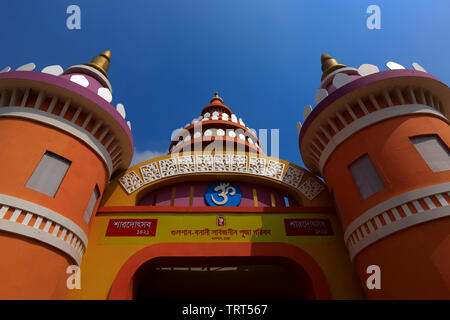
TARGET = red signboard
(308,227)
(131,228)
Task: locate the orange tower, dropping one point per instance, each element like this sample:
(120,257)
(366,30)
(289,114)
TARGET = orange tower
(61,140)
(381,141)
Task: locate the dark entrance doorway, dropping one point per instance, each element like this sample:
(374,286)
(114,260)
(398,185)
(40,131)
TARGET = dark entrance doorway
(222,278)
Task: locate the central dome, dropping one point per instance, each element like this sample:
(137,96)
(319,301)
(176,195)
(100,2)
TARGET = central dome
(216,129)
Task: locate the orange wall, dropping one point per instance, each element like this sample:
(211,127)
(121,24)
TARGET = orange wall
(397,161)
(24,143)
(30,269)
(414,262)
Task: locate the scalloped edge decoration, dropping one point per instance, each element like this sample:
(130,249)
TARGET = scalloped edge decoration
(418,67)
(27,67)
(6,69)
(121,109)
(105,94)
(341,79)
(299,127)
(367,69)
(306,111)
(80,80)
(394,65)
(55,70)
(320,95)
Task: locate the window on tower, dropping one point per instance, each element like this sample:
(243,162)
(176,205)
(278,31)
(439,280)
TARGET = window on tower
(48,174)
(433,151)
(91,205)
(366,176)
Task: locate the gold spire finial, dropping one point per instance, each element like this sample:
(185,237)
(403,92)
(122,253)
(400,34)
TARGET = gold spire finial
(216,97)
(329,65)
(101,62)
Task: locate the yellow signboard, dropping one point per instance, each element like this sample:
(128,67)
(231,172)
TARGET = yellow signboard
(145,228)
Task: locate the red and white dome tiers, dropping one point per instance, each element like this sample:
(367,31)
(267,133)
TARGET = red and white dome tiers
(216,123)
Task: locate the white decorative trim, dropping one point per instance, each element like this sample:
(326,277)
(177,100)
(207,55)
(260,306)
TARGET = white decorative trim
(328,78)
(30,210)
(395,202)
(43,212)
(223,163)
(369,120)
(62,124)
(390,228)
(404,203)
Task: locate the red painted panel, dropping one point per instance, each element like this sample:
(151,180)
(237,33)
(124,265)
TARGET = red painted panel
(131,227)
(308,227)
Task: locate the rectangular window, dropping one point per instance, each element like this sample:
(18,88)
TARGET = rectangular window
(366,177)
(48,174)
(91,205)
(433,151)
(338,209)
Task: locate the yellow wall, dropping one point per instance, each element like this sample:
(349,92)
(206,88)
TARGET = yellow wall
(105,255)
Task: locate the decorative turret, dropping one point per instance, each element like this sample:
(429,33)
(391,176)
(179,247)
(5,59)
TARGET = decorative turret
(65,141)
(381,142)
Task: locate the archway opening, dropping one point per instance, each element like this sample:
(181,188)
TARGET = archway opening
(222,278)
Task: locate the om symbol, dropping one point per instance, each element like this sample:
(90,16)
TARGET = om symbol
(224,188)
(223,194)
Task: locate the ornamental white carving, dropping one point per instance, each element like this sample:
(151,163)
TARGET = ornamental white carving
(204,163)
(293,176)
(257,165)
(311,188)
(131,182)
(238,163)
(186,164)
(168,167)
(221,162)
(150,172)
(274,169)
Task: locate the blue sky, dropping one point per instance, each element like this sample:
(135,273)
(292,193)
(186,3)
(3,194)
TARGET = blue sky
(168,57)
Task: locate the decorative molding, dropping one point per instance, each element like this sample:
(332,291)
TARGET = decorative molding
(311,188)
(61,124)
(368,103)
(293,176)
(396,214)
(42,224)
(225,163)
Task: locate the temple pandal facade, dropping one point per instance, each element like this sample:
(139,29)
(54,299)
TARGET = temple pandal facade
(215,218)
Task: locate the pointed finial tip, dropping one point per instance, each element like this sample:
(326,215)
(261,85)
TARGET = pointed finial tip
(329,64)
(324,57)
(216,97)
(106,54)
(101,62)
